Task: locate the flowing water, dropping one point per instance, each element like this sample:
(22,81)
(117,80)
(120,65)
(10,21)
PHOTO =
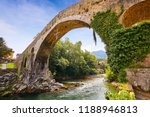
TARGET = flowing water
(92,89)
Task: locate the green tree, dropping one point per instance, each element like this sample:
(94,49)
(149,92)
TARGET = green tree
(4,50)
(67,59)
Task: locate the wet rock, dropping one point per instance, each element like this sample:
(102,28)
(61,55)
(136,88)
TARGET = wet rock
(54,88)
(2,83)
(11,84)
(45,84)
(59,84)
(22,87)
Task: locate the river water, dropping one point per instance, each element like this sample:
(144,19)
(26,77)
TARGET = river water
(91,89)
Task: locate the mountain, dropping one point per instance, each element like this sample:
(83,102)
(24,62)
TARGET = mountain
(100,54)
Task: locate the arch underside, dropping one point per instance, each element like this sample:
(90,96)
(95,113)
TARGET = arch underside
(58,31)
(137,13)
(42,57)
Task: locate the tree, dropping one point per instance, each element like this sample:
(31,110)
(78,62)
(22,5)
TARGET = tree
(4,50)
(67,59)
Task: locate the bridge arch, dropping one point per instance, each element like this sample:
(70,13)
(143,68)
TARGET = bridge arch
(56,33)
(137,13)
(42,56)
(76,16)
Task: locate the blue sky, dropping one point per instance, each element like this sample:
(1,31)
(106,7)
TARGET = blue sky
(22,20)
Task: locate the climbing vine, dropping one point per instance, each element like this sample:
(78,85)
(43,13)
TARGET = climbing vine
(125,46)
(105,24)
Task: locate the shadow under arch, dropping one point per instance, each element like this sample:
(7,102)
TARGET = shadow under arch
(137,13)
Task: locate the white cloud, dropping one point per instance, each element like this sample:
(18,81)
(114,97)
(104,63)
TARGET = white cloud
(24,19)
(94,47)
(13,37)
(21,21)
(33,14)
(85,35)
(7,29)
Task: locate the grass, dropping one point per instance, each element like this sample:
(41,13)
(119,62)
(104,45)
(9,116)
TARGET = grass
(119,91)
(9,66)
(119,86)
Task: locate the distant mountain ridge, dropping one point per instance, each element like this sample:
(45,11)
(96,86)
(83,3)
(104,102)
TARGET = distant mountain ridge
(100,54)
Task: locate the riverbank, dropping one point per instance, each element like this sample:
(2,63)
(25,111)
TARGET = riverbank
(11,84)
(74,83)
(85,89)
(67,78)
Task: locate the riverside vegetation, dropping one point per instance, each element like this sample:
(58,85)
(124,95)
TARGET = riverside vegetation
(67,60)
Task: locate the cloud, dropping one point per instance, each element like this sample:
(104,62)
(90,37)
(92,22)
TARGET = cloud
(85,35)
(13,37)
(7,29)
(94,47)
(27,12)
(35,14)
(21,20)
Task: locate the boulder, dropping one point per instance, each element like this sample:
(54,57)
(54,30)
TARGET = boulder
(139,78)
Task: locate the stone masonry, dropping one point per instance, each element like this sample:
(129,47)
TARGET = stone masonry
(36,56)
(76,16)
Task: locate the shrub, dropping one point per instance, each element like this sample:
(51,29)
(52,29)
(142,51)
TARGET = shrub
(121,95)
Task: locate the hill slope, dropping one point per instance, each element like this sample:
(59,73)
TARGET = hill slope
(100,54)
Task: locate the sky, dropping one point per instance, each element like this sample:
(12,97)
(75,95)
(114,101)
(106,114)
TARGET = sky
(22,20)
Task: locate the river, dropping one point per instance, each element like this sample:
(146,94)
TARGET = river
(91,89)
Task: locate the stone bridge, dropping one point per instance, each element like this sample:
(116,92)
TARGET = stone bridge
(35,58)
